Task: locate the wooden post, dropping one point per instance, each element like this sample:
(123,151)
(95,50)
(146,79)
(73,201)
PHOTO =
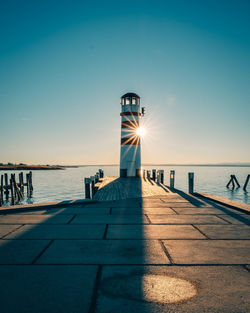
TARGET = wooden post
(87,182)
(92,185)
(172,176)
(27,184)
(101,173)
(31,185)
(96,177)
(148,174)
(161,174)
(245,185)
(18,191)
(12,189)
(1,191)
(235,179)
(191,182)
(21,182)
(158,177)
(233,185)
(230,180)
(154,175)
(6,187)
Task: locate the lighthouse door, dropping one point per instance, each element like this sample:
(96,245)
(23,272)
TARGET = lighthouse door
(131,168)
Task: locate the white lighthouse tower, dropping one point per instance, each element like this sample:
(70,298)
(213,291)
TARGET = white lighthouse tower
(130,158)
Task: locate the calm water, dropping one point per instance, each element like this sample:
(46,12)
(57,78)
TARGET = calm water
(68,184)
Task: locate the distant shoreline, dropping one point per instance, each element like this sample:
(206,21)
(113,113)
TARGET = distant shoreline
(152,164)
(30,167)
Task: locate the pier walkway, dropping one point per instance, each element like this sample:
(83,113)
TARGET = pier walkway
(116,188)
(164,253)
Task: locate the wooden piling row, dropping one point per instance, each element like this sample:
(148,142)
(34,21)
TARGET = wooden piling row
(90,184)
(12,190)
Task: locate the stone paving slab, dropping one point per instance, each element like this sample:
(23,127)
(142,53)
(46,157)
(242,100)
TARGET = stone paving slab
(63,289)
(114,204)
(185,219)
(140,211)
(120,292)
(197,210)
(34,219)
(153,232)
(104,252)
(237,218)
(209,251)
(21,251)
(5,229)
(110,219)
(226,231)
(58,232)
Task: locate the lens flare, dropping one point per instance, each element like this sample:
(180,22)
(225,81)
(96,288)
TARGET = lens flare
(141,131)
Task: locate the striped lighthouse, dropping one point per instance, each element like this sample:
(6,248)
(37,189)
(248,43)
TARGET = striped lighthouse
(130,157)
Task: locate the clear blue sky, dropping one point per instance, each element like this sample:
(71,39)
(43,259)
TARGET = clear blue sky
(65,64)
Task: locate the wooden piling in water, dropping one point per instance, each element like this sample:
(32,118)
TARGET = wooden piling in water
(87,182)
(232,180)
(148,175)
(191,183)
(92,178)
(154,174)
(172,176)
(1,191)
(101,173)
(246,182)
(6,187)
(12,191)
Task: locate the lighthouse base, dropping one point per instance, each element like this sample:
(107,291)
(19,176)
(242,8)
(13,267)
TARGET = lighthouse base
(124,173)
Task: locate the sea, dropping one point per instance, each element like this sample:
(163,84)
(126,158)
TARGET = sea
(68,184)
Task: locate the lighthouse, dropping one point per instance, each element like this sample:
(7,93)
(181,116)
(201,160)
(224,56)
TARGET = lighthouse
(130,157)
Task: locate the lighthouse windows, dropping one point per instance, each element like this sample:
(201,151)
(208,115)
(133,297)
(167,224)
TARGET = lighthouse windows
(133,100)
(127,101)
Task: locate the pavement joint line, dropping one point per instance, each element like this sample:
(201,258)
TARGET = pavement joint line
(105,232)
(196,227)
(148,219)
(12,231)
(177,213)
(41,252)
(72,218)
(92,307)
(165,251)
(110,211)
(223,219)
(110,223)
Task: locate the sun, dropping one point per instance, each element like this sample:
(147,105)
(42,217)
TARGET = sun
(140,131)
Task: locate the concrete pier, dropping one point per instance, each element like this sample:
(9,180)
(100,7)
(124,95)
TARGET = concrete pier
(170,252)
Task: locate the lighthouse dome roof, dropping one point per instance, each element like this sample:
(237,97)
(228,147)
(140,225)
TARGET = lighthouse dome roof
(130,95)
